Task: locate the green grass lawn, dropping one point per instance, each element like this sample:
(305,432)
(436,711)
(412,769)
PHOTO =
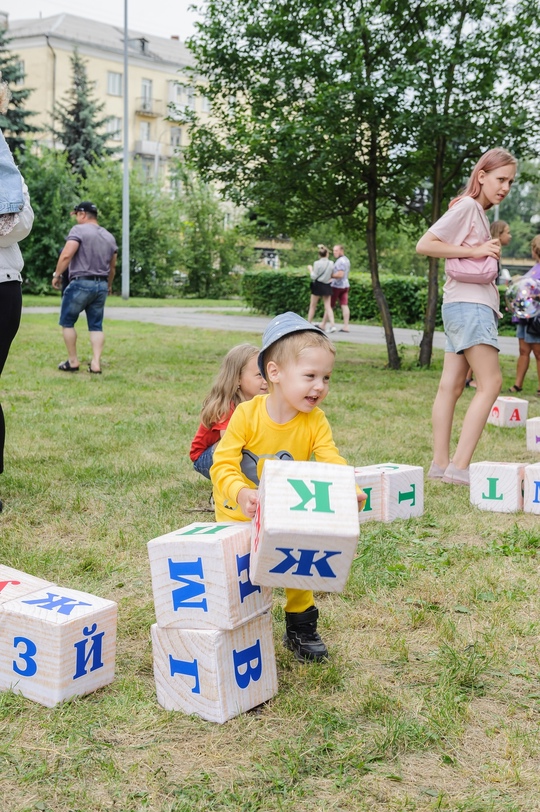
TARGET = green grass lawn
(431,699)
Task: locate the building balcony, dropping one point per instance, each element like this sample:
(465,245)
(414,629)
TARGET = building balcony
(153,149)
(152,108)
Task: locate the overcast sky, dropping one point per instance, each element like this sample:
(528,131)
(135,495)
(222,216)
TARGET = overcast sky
(162,17)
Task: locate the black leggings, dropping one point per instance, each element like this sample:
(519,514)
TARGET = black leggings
(10,318)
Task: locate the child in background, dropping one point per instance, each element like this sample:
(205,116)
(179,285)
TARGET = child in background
(528,341)
(238,380)
(296,359)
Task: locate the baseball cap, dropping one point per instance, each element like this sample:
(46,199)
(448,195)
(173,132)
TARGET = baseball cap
(280,326)
(87,206)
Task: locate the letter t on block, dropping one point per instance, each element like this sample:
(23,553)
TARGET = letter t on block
(497,486)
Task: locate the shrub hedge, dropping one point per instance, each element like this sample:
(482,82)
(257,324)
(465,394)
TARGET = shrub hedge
(273,292)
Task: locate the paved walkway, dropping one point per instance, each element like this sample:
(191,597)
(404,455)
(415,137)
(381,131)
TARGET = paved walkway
(240,321)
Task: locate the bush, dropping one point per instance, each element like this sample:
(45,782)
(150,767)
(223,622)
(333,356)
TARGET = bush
(273,292)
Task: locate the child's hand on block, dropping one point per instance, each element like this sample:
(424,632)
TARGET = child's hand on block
(362,498)
(247,499)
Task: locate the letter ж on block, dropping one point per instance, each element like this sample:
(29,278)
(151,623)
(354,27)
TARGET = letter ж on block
(305,533)
(16,584)
(215,674)
(497,486)
(200,577)
(57,643)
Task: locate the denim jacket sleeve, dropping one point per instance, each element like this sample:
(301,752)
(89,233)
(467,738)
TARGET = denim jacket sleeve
(11,184)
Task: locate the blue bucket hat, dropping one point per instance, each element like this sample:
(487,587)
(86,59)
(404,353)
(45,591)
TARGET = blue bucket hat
(280,326)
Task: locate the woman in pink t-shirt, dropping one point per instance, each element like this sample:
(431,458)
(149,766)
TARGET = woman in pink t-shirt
(470,314)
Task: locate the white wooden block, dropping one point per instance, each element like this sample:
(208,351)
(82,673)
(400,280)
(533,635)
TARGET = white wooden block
(15,583)
(305,531)
(533,434)
(371,482)
(531,495)
(508,412)
(402,489)
(497,486)
(200,577)
(216,674)
(57,643)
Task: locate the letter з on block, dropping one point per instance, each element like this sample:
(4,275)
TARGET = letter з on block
(497,486)
(216,674)
(305,531)
(398,491)
(508,412)
(200,577)
(57,643)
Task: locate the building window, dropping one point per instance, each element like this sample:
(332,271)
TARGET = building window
(190,98)
(146,90)
(114,128)
(205,104)
(145,131)
(114,83)
(176,137)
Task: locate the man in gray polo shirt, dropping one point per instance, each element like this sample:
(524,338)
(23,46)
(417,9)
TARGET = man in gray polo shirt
(90,257)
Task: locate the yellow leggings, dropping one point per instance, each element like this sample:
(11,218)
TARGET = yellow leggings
(298,600)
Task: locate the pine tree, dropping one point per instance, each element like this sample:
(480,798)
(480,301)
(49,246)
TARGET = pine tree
(78,123)
(14,122)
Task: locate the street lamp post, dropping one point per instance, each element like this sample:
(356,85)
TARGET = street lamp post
(125,185)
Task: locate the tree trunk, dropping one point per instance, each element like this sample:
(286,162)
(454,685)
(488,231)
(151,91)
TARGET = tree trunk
(426,344)
(371,240)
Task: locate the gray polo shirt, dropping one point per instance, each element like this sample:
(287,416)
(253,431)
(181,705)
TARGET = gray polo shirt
(96,249)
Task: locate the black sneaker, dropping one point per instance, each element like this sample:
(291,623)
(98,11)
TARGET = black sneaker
(302,638)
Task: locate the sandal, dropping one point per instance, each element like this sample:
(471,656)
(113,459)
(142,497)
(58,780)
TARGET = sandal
(94,371)
(66,367)
(516,388)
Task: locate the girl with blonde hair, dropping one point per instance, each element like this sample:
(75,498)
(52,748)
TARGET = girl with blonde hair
(239,379)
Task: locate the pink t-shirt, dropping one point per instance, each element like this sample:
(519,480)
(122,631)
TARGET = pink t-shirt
(466,224)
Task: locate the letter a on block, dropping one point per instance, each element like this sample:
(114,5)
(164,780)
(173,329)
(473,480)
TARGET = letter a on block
(306,528)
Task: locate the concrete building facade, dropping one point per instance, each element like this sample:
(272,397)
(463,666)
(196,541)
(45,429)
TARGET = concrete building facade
(155,81)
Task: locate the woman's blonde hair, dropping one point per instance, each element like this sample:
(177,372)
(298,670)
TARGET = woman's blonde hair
(226,387)
(323,250)
(535,246)
(497,228)
(490,160)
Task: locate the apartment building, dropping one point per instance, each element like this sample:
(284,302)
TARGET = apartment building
(155,81)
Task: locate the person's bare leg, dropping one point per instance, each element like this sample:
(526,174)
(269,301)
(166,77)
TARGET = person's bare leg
(346,313)
(328,312)
(450,388)
(484,361)
(536,351)
(70,340)
(522,362)
(97,340)
(312,307)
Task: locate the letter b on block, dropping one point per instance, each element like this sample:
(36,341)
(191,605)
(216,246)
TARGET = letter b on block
(305,533)
(216,674)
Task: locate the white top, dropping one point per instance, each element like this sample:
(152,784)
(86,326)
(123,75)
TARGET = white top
(466,224)
(11,261)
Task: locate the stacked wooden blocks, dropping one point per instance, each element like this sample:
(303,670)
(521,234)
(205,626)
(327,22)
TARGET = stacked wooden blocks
(505,487)
(55,643)
(212,643)
(305,531)
(508,412)
(393,491)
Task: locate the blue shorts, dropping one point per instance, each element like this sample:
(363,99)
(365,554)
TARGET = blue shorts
(529,338)
(467,324)
(88,295)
